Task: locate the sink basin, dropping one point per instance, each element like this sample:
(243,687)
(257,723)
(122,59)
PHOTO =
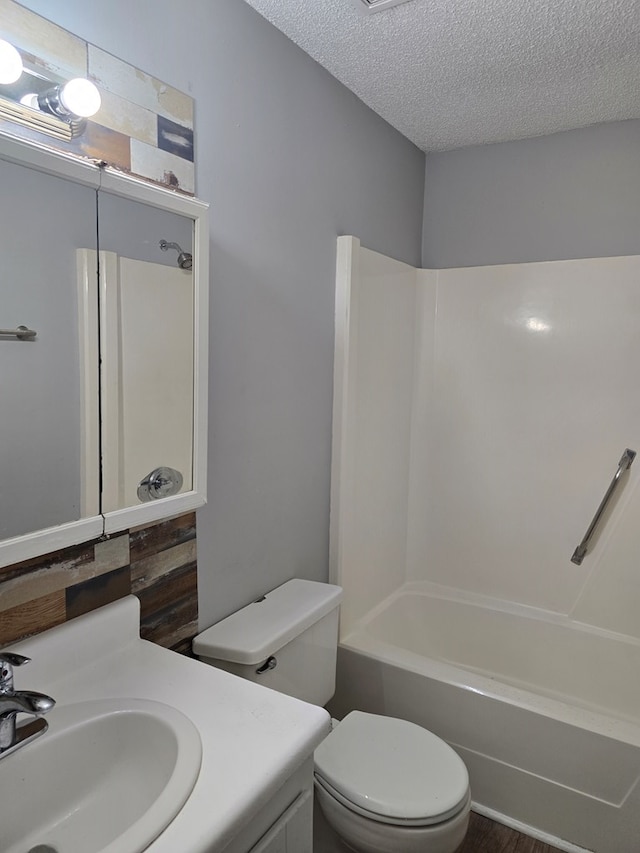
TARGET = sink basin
(107,777)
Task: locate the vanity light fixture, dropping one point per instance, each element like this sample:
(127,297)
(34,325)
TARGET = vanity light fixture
(79,98)
(50,106)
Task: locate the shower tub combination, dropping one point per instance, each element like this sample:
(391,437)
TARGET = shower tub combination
(543,711)
(477,416)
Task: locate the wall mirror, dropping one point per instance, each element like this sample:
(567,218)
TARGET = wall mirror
(103,351)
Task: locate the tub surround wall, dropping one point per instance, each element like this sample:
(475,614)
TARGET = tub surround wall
(512,383)
(375,377)
(156,562)
(520,421)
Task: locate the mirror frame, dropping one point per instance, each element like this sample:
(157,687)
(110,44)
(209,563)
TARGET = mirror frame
(96,175)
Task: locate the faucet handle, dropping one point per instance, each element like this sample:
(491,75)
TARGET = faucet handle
(7,661)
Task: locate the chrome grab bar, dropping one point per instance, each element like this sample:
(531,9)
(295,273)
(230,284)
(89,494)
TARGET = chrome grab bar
(22,333)
(623,465)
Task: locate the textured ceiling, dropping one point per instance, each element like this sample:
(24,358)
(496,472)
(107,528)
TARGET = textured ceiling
(449,73)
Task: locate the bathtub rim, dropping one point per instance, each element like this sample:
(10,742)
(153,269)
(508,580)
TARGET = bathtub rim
(601,722)
(434,590)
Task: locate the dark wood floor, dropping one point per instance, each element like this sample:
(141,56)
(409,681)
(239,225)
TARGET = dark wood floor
(486,836)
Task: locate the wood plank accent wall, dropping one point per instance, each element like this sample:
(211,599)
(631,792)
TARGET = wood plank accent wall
(156,562)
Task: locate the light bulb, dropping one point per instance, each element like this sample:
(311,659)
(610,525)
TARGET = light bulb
(10,63)
(30,100)
(80,97)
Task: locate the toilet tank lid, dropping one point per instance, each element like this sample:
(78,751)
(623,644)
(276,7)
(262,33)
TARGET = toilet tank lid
(261,628)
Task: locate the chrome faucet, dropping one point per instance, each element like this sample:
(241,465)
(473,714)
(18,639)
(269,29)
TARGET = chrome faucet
(14,702)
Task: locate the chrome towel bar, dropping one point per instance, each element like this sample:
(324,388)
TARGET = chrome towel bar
(22,333)
(623,465)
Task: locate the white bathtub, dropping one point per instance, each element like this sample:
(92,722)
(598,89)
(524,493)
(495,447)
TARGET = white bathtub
(544,711)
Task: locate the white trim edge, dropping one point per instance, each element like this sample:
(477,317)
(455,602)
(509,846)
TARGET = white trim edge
(525,829)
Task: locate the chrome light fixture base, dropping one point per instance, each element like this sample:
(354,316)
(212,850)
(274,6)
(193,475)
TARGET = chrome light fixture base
(38,103)
(41,122)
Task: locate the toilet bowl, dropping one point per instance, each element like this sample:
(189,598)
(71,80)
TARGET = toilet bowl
(384,785)
(388,786)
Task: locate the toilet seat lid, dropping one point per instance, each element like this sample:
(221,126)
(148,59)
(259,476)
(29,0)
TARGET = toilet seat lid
(393,768)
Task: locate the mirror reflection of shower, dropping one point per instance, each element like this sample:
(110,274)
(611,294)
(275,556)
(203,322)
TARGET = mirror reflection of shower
(185,259)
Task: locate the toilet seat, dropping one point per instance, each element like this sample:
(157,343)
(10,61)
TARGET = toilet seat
(417,823)
(391,771)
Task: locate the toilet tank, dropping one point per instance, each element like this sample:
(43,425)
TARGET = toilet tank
(286,640)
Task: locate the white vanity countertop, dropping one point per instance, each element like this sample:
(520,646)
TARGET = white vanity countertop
(252,738)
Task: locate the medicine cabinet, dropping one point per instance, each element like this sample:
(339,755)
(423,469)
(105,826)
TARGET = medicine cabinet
(103,351)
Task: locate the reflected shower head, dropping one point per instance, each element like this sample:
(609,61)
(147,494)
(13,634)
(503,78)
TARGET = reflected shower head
(185,259)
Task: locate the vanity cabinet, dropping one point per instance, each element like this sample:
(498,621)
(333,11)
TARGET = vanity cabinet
(290,833)
(285,823)
(246,752)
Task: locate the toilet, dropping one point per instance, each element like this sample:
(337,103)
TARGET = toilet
(384,785)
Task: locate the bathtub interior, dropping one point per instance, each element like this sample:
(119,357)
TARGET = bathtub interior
(545,654)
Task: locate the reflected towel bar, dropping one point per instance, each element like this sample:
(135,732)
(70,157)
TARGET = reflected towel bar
(22,333)
(623,465)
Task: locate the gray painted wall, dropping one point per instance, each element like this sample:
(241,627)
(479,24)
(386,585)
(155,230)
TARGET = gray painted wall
(570,195)
(289,159)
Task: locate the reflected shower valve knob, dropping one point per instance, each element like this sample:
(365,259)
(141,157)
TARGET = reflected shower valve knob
(160,483)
